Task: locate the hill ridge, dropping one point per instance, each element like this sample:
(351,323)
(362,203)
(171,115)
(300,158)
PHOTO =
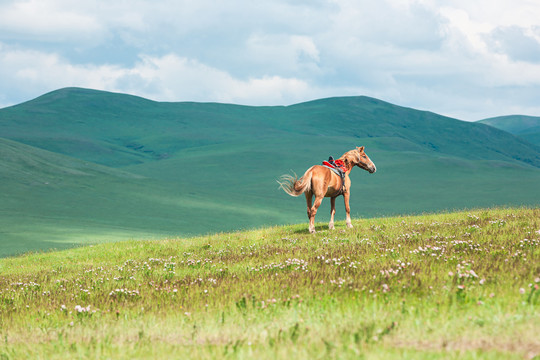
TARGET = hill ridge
(360,115)
(524,126)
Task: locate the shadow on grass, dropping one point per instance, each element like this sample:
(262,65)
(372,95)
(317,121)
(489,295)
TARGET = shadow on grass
(318,228)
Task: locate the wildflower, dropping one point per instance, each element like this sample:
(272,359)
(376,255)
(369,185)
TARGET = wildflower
(482,281)
(522,291)
(461,287)
(63,308)
(491,295)
(480,302)
(450,273)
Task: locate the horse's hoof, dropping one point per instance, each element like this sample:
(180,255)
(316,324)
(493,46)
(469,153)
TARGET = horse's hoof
(331,227)
(349,226)
(312,231)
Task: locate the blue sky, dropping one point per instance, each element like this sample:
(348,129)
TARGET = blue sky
(465,59)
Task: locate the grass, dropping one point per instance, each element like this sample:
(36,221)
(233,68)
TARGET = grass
(451,285)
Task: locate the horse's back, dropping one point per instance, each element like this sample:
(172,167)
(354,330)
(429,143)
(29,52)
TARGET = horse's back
(322,171)
(325,181)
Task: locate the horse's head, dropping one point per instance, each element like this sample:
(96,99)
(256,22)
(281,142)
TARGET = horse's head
(363,161)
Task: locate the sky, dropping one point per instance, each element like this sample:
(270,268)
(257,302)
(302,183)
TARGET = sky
(465,59)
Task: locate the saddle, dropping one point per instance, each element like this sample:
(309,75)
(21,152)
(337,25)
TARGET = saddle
(338,167)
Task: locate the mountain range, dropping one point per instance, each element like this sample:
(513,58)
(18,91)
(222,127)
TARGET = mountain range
(526,127)
(80,166)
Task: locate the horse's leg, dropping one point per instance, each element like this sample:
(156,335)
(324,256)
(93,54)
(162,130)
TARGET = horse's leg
(309,198)
(347,209)
(318,201)
(332,212)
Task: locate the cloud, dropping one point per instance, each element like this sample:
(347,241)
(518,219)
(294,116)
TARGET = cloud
(48,21)
(164,78)
(282,54)
(516,42)
(176,78)
(460,58)
(24,69)
(405,24)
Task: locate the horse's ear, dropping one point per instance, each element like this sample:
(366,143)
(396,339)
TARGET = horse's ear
(361,148)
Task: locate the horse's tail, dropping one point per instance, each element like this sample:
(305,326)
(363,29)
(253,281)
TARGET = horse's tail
(294,186)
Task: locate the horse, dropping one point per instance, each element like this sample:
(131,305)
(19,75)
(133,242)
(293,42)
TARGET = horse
(321,182)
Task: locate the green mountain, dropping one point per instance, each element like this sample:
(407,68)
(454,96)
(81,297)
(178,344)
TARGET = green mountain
(85,166)
(526,127)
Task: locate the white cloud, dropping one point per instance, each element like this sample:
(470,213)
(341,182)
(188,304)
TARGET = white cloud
(165,78)
(48,21)
(516,42)
(283,54)
(460,58)
(173,78)
(407,24)
(30,71)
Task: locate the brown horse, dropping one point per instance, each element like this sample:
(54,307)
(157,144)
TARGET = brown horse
(322,182)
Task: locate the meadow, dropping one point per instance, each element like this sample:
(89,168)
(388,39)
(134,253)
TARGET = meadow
(460,285)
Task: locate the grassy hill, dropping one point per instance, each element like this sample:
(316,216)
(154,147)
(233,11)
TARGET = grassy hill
(444,286)
(526,127)
(49,200)
(127,167)
(117,129)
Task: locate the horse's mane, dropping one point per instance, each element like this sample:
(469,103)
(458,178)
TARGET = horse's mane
(350,157)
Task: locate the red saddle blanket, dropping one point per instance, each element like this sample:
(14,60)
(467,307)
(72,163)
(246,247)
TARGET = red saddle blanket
(338,164)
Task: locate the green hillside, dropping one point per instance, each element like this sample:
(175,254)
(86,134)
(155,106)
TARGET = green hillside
(116,129)
(526,127)
(64,201)
(119,166)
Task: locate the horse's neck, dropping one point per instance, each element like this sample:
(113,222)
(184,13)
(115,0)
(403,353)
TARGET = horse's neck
(349,167)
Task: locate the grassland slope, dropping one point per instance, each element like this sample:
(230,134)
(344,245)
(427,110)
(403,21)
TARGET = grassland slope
(49,200)
(453,285)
